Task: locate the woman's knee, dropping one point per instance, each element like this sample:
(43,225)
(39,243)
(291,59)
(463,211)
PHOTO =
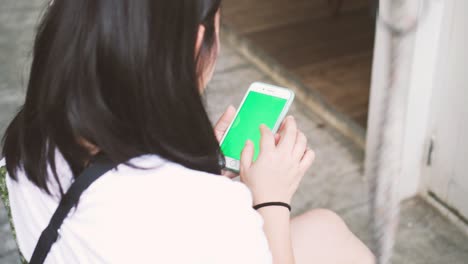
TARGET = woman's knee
(334,235)
(324,219)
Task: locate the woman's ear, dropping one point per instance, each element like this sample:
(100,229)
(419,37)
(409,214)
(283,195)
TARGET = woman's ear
(200,37)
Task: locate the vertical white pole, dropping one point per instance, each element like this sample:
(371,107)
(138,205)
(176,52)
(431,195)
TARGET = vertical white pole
(386,120)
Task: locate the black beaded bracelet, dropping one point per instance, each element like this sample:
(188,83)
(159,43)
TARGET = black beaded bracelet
(258,206)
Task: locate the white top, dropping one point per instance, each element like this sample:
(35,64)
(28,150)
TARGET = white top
(166,214)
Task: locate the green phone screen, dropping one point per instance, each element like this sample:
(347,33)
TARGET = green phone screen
(257,109)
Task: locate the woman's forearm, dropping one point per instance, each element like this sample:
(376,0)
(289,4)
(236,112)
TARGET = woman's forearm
(277,229)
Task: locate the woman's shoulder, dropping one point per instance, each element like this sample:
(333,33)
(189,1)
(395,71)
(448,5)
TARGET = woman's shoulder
(155,177)
(164,195)
(162,205)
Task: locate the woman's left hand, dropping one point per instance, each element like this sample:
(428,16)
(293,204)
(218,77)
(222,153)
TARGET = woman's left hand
(220,129)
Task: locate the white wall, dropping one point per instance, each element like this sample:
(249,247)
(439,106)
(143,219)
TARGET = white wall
(448,125)
(420,89)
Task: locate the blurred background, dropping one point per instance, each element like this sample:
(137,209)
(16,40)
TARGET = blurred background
(345,63)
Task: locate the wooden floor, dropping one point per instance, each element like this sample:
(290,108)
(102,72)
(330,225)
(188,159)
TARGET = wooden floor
(331,53)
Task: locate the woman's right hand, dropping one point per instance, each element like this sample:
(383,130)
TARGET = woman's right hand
(280,166)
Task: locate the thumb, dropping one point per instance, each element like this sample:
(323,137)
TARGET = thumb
(224,122)
(267,139)
(247,155)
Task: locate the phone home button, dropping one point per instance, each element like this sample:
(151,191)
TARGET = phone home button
(233,163)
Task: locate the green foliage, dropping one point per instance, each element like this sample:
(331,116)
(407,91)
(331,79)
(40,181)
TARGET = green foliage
(4,193)
(6,202)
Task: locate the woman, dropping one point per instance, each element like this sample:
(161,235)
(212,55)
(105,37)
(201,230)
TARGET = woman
(123,79)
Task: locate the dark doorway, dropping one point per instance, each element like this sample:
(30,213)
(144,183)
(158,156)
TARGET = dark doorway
(327,44)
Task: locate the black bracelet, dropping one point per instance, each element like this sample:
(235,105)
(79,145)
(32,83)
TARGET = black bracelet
(258,206)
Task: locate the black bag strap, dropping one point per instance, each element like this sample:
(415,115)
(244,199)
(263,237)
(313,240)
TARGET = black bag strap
(51,233)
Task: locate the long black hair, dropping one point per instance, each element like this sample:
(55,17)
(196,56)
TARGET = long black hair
(122,75)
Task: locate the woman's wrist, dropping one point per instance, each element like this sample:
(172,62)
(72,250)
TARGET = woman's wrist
(276,224)
(272,204)
(259,199)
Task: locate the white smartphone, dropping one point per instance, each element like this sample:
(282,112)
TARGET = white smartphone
(262,104)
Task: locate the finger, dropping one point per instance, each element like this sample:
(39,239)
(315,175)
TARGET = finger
(277,138)
(267,140)
(301,146)
(247,156)
(224,122)
(280,131)
(288,135)
(229,174)
(282,125)
(307,160)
